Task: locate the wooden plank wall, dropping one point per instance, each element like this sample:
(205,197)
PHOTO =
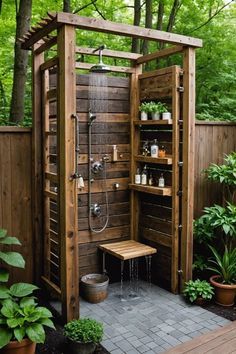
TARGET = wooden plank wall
(212,141)
(15,194)
(112,128)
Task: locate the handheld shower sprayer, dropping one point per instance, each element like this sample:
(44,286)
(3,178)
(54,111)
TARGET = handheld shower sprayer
(91,117)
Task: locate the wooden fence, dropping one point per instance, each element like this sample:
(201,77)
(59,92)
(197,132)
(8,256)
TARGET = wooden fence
(15,194)
(212,141)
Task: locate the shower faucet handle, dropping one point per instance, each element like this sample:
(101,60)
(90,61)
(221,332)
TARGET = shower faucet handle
(105,158)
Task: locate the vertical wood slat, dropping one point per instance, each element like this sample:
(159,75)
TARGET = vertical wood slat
(175,179)
(188,163)
(46,182)
(37,182)
(134,144)
(67,188)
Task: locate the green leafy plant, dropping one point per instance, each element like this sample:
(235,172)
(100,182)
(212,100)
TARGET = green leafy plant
(153,107)
(10,258)
(20,315)
(199,263)
(225,173)
(224,265)
(144,107)
(198,289)
(84,330)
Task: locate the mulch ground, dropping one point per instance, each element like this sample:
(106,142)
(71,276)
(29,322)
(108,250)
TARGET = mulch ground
(227,312)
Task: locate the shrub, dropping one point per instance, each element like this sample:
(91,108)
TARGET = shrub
(198,288)
(84,330)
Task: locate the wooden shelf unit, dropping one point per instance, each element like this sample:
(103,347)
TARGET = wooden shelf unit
(167,160)
(165,191)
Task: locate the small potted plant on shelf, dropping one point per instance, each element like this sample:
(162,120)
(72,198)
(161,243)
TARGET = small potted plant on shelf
(166,115)
(83,335)
(22,321)
(144,109)
(198,291)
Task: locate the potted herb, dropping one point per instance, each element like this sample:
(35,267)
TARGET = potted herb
(83,335)
(198,291)
(224,280)
(144,109)
(166,115)
(22,321)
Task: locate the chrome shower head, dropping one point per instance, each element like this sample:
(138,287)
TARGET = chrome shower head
(100,67)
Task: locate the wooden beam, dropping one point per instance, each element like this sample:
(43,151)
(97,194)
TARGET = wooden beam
(68,227)
(118,69)
(108,53)
(46,45)
(161,54)
(49,64)
(40,33)
(188,163)
(37,182)
(98,25)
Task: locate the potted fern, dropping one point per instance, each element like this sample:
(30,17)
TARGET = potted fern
(22,321)
(83,335)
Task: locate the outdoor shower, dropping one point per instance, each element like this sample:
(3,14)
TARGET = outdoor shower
(97,103)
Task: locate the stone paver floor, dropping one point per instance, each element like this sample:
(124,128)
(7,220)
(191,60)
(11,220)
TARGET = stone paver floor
(153,322)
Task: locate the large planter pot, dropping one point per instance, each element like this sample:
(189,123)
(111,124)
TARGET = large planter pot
(94,287)
(224,294)
(23,347)
(81,348)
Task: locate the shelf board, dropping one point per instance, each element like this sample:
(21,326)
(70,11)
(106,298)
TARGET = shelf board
(166,191)
(153,122)
(167,160)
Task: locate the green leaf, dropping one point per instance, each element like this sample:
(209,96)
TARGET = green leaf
(4,292)
(47,322)
(3,233)
(22,289)
(36,333)
(27,301)
(44,312)
(10,241)
(9,308)
(14,259)
(15,322)
(19,333)
(4,275)
(5,337)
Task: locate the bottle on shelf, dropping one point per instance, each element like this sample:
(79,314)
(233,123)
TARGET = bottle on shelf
(162,151)
(144,175)
(150,180)
(137,177)
(114,153)
(161,181)
(145,149)
(154,149)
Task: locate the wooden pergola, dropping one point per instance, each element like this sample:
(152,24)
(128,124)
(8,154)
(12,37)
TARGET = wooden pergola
(58,30)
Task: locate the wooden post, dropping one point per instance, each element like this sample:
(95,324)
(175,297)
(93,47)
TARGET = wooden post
(37,183)
(188,162)
(134,143)
(68,229)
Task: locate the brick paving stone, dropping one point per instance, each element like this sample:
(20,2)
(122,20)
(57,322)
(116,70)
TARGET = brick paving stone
(117,351)
(143,349)
(184,339)
(124,345)
(109,345)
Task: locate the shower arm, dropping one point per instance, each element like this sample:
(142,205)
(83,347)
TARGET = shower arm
(77,150)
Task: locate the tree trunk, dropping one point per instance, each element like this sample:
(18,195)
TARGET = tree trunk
(148,24)
(172,17)
(66,6)
(135,48)
(160,14)
(23,17)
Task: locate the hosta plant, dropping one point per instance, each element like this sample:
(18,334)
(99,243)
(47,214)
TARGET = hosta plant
(84,330)
(195,289)
(20,315)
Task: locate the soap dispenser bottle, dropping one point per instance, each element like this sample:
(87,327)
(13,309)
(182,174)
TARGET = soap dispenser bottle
(154,149)
(144,176)
(137,177)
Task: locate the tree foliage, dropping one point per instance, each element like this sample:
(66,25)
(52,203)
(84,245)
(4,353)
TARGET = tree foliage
(211,20)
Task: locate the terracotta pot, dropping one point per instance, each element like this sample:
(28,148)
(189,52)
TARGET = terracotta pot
(23,347)
(81,348)
(224,294)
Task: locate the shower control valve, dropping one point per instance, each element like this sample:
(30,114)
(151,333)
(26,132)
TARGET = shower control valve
(96,209)
(97,167)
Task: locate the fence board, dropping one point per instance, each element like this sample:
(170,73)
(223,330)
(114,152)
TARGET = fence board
(15,194)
